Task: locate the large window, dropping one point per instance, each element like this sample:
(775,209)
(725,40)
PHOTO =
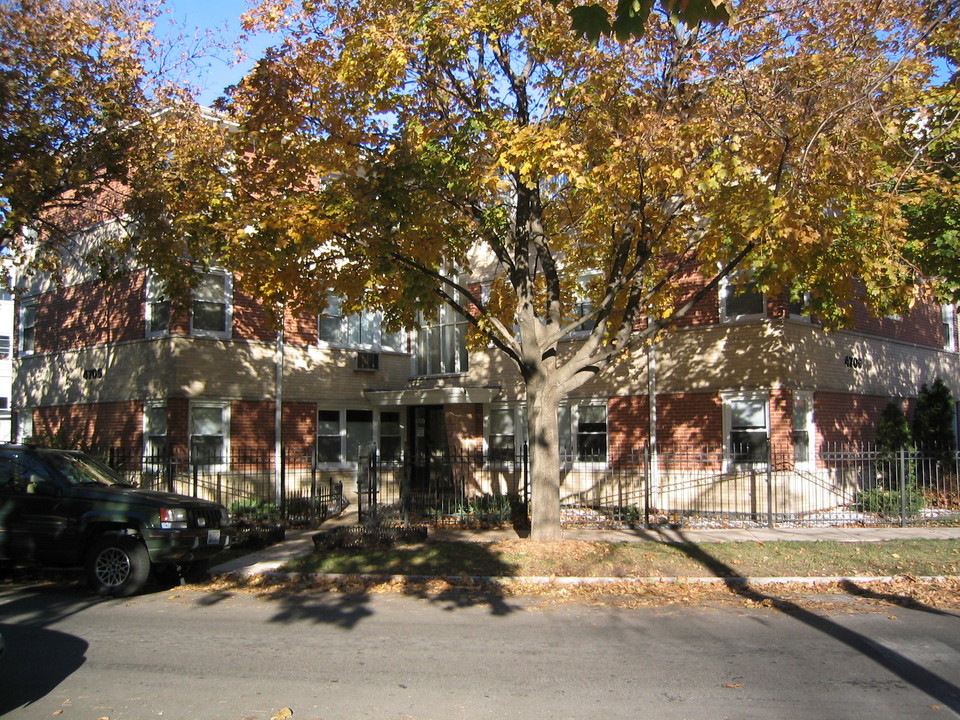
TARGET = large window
(28,320)
(583,430)
(747,429)
(948,314)
(505,432)
(212,314)
(157,308)
(804,429)
(357,330)
(740,299)
(155,430)
(442,344)
(346,435)
(209,433)
(4,347)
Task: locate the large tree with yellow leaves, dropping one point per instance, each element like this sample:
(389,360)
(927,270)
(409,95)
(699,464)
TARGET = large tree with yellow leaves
(393,148)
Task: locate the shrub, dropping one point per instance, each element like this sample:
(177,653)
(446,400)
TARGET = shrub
(882,501)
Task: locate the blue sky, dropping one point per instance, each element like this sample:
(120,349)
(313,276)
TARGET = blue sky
(216,73)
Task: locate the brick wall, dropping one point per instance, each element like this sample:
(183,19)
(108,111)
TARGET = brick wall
(299,427)
(843,418)
(628,426)
(690,419)
(92,313)
(107,424)
(252,426)
(464,425)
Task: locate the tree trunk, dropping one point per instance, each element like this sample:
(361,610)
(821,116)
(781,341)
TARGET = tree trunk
(542,407)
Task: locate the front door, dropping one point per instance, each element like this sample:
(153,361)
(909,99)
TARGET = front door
(429,444)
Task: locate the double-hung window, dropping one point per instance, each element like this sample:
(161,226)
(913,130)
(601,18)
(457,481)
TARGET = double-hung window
(209,433)
(740,299)
(505,431)
(583,430)
(747,426)
(948,315)
(157,308)
(28,321)
(155,430)
(212,314)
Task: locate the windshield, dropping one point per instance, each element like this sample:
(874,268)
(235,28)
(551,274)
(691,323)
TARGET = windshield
(82,470)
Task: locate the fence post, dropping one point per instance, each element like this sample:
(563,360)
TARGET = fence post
(769,484)
(903,487)
(646,485)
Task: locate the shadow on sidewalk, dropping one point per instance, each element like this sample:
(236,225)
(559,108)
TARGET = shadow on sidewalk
(944,691)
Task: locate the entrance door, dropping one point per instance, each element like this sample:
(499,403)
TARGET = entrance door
(429,444)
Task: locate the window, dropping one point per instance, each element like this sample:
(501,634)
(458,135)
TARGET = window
(803,427)
(157,308)
(25,425)
(583,305)
(583,430)
(28,318)
(209,425)
(344,436)
(948,314)
(505,431)
(745,418)
(442,344)
(5,347)
(212,311)
(155,430)
(740,299)
(360,330)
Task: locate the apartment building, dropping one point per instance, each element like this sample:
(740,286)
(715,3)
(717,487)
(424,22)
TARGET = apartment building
(116,364)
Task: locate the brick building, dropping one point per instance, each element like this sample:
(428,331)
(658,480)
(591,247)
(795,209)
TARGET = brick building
(115,364)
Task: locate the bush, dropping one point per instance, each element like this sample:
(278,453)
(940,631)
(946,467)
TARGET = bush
(881,501)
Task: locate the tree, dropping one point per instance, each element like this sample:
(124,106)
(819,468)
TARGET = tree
(629,20)
(96,126)
(893,430)
(398,154)
(934,421)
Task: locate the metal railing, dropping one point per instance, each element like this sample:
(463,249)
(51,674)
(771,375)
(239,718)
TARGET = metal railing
(678,485)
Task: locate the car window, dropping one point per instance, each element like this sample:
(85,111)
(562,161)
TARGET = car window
(80,470)
(8,470)
(19,470)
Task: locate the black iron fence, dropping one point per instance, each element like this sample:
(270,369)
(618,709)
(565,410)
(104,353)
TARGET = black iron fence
(249,483)
(684,486)
(677,485)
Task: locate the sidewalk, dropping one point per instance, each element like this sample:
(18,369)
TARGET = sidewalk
(300,542)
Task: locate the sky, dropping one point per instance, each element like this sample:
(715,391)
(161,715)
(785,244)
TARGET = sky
(223,16)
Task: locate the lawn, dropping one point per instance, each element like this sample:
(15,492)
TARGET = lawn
(522,558)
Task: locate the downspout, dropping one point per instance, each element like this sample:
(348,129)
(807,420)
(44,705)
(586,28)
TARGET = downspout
(278,415)
(654,478)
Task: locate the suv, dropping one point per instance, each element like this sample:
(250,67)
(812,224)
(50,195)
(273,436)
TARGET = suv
(63,508)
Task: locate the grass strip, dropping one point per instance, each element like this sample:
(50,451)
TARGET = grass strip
(575,558)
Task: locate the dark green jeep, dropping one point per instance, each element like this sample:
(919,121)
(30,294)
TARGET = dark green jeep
(64,509)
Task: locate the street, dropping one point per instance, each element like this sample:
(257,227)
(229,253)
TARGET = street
(217,654)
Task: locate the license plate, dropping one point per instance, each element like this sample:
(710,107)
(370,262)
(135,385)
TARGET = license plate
(213,537)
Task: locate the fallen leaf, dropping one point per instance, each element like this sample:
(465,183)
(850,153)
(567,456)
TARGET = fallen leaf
(58,712)
(893,617)
(282,714)
(733,685)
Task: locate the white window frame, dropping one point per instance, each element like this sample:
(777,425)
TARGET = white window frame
(345,451)
(948,315)
(25,425)
(804,421)
(150,432)
(448,328)
(727,286)
(225,418)
(227,302)
(378,338)
(569,416)
(155,297)
(27,306)
(728,400)
(518,415)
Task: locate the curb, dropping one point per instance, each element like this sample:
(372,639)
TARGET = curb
(574,581)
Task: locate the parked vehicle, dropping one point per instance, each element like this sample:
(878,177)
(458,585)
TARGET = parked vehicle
(61,508)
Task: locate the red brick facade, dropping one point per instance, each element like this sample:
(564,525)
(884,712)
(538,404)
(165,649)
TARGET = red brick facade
(103,424)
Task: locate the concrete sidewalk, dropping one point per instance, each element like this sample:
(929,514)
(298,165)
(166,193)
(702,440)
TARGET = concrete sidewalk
(300,542)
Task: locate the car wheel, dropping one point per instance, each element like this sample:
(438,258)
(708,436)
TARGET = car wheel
(195,571)
(117,565)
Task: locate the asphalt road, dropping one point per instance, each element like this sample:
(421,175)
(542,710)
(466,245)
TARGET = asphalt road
(183,654)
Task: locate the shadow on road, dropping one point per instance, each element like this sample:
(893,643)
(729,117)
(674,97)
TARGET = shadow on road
(944,691)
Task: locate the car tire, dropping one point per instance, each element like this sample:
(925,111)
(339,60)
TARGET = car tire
(195,571)
(117,565)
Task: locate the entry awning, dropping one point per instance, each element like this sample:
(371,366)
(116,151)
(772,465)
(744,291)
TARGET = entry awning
(432,396)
